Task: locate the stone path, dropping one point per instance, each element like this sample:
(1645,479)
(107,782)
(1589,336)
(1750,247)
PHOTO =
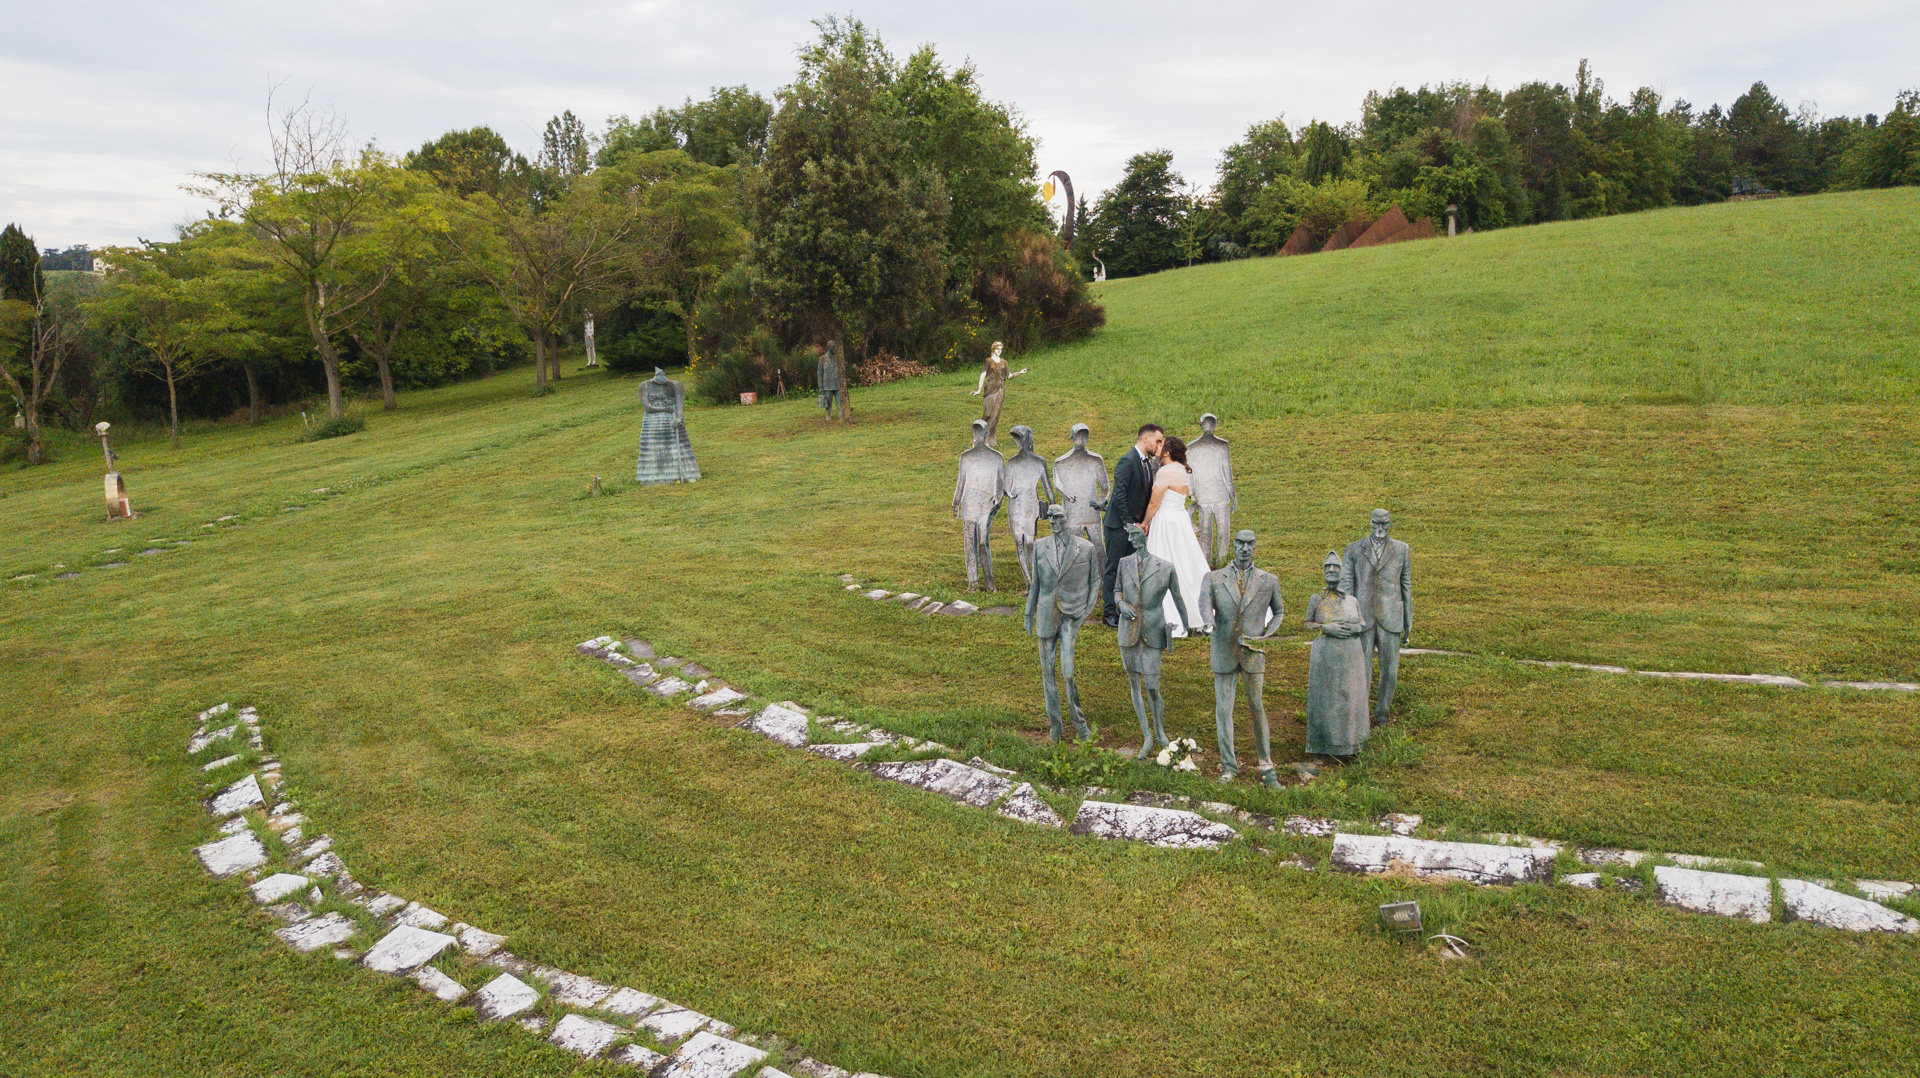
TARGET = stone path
(313,904)
(1391,844)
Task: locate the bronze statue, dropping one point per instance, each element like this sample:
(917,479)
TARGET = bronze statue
(1243,605)
(1065,585)
(1378,572)
(1026,472)
(976,495)
(1142,586)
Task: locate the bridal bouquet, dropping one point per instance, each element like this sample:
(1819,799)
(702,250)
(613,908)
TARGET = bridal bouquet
(1180,755)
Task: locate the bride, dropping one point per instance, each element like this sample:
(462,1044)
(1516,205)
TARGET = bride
(1170,534)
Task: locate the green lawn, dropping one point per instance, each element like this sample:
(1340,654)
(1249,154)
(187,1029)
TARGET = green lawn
(1677,440)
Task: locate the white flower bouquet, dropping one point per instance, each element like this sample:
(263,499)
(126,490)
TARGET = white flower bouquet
(1180,755)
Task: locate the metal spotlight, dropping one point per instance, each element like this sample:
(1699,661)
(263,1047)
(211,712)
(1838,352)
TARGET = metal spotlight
(1401,916)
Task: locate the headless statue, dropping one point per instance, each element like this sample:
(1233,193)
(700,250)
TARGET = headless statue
(1026,472)
(1142,586)
(832,381)
(1081,480)
(1214,497)
(976,495)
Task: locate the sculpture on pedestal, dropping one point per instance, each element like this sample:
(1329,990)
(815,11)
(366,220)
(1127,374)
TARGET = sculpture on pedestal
(1243,605)
(1065,585)
(666,455)
(976,495)
(1080,477)
(994,377)
(1142,586)
(1336,669)
(1378,572)
(1026,473)
(1213,491)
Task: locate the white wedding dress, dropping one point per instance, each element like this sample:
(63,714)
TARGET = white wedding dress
(1170,535)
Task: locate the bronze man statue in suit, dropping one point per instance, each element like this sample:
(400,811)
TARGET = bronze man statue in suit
(1378,571)
(1065,584)
(1243,604)
(1142,584)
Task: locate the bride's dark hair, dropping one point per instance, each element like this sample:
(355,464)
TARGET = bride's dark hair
(1177,451)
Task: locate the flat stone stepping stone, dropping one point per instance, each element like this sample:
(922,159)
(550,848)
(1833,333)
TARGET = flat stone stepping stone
(615,659)
(960,607)
(421,917)
(920,602)
(443,987)
(1399,823)
(327,866)
(201,741)
(1806,901)
(672,661)
(405,949)
(1598,667)
(1308,826)
(776,722)
(585,1036)
(588,647)
(629,1003)
(1778,680)
(905,597)
(846,754)
(669,686)
(314,849)
(670,1022)
(638,648)
(1173,829)
(317,932)
(289,912)
(1876,686)
(276,887)
(1722,893)
(985,766)
(852,587)
(877,593)
(1027,806)
(1884,889)
(503,997)
(634,1055)
(718,698)
(1694,860)
(571,988)
(931,609)
(1603,855)
(1475,862)
(475,942)
(235,824)
(233,855)
(641,675)
(999,611)
(238,797)
(708,1056)
(949,778)
(382,904)
(695,670)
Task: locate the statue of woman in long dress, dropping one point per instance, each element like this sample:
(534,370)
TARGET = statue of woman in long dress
(666,455)
(1336,670)
(994,377)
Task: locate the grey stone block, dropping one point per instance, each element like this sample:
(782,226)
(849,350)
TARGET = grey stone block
(641,675)
(708,1056)
(1027,806)
(239,797)
(694,670)
(223,761)
(638,648)
(1721,893)
(588,647)
(985,766)
(877,593)
(313,849)
(405,949)
(846,754)
(503,997)
(443,987)
(1691,860)
(1398,823)
(1605,856)
(670,1022)
(669,686)
(634,1055)
(961,607)
(276,887)
(950,778)
(1475,862)
(475,942)
(233,855)
(629,1003)
(585,1036)
(1884,889)
(200,742)
(317,932)
(1308,826)
(1806,901)
(233,825)
(776,722)
(326,866)
(421,917)
(1173,829)
(384,905)
(1876,686)
(716,699)
(289,912)
(931,609)
(572,989)
(1776,680)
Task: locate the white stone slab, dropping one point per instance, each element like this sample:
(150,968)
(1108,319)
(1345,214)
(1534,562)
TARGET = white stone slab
(382,904)
(1876,686)
(317,932)
(1603,855)
(669,686)
(477,943)
(503,997)
(571,988)
(421,917)
(314,849)
(845,753)
(327,866)
(276,887)
(200,741)
(405,949)
(1722,893)
(221,762)
(985,766)
(1806,901)
(967,785)
(217,709)
(1694,860)
(718,698)
(233,855)
(670,1021)
(634,1055)
(813,1068)
(777,722)
(1308,826)
(533,1024)
(289,912)
(1399,823)
(233,825)
(585,647)
(641,675)
(932,608)
(877,593)
(443,987)
(1574,666)
(1475,862)
(1028,807)
(1173,829)
(1589,880)
(1884,889)
(961,606)
(615,659)
(1778,680)
(238,797)
(585,1036)
(708,1056)
(906,597)
(629,1003)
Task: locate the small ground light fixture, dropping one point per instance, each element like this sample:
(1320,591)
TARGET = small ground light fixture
(1401,916)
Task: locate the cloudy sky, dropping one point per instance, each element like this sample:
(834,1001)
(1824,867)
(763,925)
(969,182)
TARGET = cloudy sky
(106,108)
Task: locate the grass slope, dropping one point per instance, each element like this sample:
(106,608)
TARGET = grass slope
(406,638)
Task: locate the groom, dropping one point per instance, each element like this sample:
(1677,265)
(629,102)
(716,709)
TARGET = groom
(1127,504)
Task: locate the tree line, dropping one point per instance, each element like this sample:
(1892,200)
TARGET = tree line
(1533,154)
(886,204)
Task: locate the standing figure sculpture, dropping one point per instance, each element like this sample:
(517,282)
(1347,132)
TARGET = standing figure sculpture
(1064,585)
(593,358)
(831,377)
(994,377)
(1026,471)
(1132,480)
(1145,582)
(1080,477)
(1243,604)
(976,495)
(1213,490)
(1378,572)
(1336,669)
(666,456)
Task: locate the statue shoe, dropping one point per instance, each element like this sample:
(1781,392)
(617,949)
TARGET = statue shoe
(1269,779)
(1229,776)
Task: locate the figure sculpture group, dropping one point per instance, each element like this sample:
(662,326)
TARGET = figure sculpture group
(1130,545)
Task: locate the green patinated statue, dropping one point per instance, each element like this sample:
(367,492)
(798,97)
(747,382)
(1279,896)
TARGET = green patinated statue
(1142,585)
(1243,604)
(1065,585)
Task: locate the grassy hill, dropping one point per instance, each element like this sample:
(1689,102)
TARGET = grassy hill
(1677,441)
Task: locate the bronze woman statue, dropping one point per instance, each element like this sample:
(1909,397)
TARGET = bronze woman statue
(1336,669)
(994,377)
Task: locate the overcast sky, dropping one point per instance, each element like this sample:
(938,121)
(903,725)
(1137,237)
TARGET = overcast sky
(106,108)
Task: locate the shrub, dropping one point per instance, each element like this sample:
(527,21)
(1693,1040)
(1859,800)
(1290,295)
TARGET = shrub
(334,428)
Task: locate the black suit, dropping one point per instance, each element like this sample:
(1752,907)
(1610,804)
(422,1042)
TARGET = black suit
(1127,504)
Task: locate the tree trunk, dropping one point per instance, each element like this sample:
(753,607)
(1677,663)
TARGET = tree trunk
(316,298)
(553,358)
(32,410)
(539,360)
(386,379)
(173,410)
(253,392)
